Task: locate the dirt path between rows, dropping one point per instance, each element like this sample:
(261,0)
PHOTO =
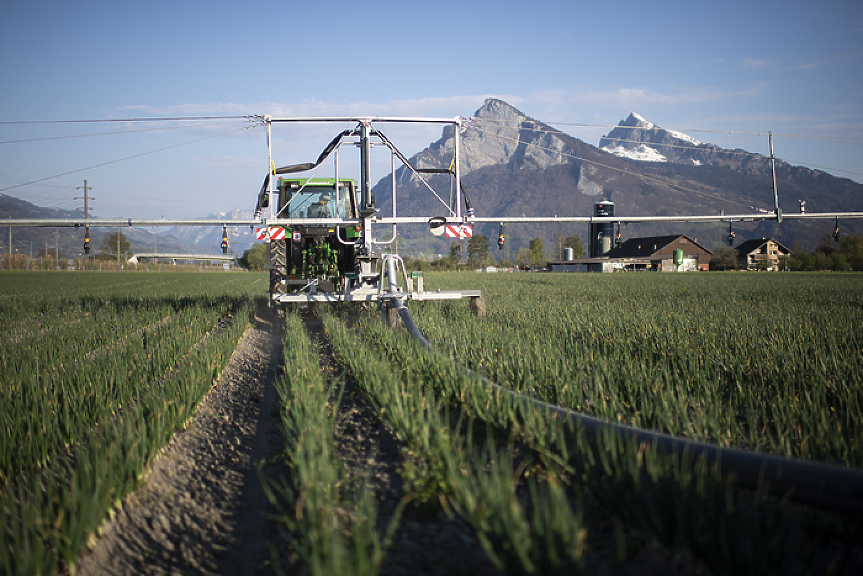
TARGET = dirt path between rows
(202,509)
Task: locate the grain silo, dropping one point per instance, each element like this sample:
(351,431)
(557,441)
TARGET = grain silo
(601,233)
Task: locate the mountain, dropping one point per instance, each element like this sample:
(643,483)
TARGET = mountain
(70,242)
(206,240)
(514,165)
(11,207)
(637,139)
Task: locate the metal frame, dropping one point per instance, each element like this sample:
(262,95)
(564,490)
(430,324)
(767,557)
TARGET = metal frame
(261,222)
(373,285)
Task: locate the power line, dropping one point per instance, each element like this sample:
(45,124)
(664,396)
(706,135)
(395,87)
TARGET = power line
(623,171)
(139,119)
(826,138)
(713,148)
(122,159)
(45,138)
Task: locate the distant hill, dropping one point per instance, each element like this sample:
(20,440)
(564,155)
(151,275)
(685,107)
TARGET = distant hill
(207,240)
(514,165)
(71,241)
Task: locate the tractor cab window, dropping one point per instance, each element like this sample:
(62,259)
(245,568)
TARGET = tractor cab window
(318,202)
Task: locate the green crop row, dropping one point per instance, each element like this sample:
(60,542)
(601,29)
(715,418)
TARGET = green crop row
(50,395)
(672,500)
(327,516)
(760,361)
(535,534)
(80,425)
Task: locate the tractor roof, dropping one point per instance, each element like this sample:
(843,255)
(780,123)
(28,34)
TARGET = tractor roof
(312,182)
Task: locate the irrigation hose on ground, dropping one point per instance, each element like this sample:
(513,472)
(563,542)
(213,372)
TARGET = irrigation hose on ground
(823,485)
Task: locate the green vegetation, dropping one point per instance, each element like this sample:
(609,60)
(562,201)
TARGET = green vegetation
(255,257)
(329,520)
(769,362)
(443,465)
(846,254)
(521,478)
(115,246)
(98,372)
(477,252)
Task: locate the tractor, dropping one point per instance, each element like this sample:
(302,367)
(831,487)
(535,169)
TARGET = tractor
(311,256)
(321,245)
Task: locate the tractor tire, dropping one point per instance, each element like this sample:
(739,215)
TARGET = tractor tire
(278,268)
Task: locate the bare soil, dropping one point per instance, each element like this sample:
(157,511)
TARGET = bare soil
(202,509)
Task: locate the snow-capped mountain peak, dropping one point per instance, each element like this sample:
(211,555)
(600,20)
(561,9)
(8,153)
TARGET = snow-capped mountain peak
(637,138)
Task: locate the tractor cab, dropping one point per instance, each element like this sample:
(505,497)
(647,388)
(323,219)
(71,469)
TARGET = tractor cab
(316,198)
(314,254)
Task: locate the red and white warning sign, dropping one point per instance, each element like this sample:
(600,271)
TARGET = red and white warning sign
(458,231)
(275,233)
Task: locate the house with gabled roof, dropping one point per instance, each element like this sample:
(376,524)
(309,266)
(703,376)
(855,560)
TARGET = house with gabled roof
(651,253)
(761,254)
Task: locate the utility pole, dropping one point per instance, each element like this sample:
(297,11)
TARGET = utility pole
(86,197)
(775,190)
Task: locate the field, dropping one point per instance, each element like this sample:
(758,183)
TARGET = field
(98,372)
(395,457)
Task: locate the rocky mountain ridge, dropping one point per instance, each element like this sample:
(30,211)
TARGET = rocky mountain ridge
(514,165)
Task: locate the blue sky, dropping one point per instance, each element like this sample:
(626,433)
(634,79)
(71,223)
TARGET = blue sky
(791,67)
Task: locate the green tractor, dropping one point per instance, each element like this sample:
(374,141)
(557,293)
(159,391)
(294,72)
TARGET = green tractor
(313,256)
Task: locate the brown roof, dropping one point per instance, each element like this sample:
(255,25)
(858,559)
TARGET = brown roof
(648,246)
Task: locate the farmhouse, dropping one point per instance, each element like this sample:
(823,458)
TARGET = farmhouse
(761,254)
(652,253)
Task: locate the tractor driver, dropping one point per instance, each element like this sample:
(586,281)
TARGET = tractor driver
(320,209)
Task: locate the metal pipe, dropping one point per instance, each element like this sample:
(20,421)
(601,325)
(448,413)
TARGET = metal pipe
(393,174)
(391,275)
(456,144)
(824,485)
(775,189)
(62,222)
(271,167)
(365,119)
(336,170)
(365,166)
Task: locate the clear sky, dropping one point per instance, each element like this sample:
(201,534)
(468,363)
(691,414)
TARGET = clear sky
(787,66)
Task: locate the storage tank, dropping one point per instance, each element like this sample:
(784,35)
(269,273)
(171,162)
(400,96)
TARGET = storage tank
(678,257)
(601,234)
(568,254)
